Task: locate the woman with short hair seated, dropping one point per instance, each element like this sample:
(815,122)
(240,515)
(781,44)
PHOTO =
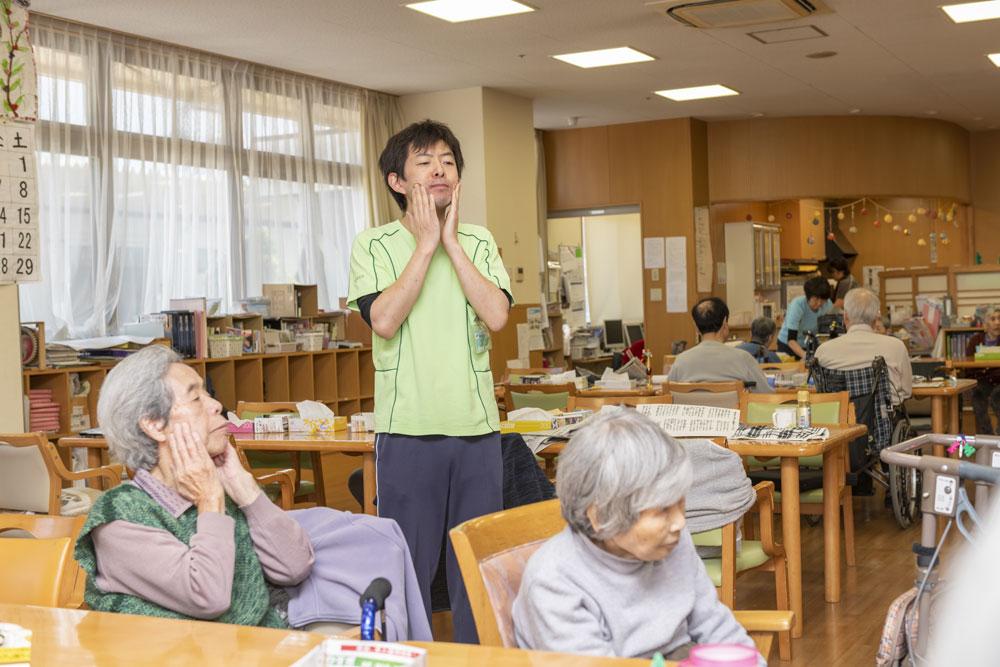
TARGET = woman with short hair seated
(191,536)
(622,579)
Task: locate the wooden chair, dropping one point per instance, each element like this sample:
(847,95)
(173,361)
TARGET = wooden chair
(43,526)
(32,474)
(545,396)
(278,485)
(493,550)
(715,394)
(34,570)
(308,492)
(827,409)
(595,403)
(762,554)
(783,366)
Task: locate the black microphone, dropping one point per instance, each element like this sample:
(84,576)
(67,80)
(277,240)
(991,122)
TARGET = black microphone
(372,601)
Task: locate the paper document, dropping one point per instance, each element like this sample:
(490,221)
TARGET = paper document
(105,342)
(653,253)
(692,421)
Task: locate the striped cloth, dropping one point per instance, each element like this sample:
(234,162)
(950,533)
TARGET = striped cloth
(747,432)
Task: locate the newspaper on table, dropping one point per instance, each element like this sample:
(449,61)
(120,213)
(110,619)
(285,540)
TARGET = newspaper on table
(773,433)
(692,421)
(363,654)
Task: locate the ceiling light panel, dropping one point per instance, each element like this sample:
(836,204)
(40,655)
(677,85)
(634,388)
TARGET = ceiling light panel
(967,12)
(995,57)
(697,92)
(605,57)
(456,11)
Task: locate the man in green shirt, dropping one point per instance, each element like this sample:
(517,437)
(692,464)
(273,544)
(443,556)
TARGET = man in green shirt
(432,289)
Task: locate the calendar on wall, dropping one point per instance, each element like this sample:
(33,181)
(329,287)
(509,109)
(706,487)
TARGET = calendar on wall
(19,242)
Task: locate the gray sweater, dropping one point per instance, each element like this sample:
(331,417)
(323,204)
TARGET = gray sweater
(711,361)
(575,597)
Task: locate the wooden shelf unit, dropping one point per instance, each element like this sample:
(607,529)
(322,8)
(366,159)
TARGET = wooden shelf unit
(343,379)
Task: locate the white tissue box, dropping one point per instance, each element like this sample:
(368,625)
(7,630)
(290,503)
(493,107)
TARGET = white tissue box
(279,424)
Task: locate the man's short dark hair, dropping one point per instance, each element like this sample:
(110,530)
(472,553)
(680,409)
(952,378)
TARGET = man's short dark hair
(415,137)
(762,328)
(837,264)
(817,286)
(710,314)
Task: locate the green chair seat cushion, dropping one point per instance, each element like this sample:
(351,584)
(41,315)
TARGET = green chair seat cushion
(822,413)
(750,555)
(536,399)
(812,496)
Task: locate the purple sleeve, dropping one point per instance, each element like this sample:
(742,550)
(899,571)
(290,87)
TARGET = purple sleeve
(284,550)
(152,564)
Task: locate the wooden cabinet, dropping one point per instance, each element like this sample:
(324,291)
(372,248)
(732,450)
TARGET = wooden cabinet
(801,236)
(342,379)
(753,269)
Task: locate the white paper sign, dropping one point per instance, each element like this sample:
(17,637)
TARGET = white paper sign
(703,249)
(653,253)
(676,248)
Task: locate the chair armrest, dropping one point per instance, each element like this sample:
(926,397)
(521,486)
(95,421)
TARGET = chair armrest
(286,479)
(111,474)
(758,620)
(765,509)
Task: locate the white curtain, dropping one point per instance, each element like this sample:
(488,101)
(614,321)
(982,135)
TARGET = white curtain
(612,247)
(166,173)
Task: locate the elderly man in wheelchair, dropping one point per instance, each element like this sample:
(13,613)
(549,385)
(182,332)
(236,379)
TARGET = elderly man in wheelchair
(875,371)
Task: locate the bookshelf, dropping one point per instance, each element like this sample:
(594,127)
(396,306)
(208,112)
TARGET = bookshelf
(955,339)
(343,379)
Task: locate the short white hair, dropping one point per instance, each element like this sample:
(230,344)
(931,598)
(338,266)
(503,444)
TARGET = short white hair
(620,463)
(136,389)
(861,306)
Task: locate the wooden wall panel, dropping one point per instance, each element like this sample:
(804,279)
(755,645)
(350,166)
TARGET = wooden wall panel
(830,157)
(581,179)
(986,194)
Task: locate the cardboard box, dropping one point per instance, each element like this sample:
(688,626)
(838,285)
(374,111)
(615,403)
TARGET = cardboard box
(291,300)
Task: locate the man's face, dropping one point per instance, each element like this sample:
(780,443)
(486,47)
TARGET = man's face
(193,405)
(993,324)
(815,303)
(434,168)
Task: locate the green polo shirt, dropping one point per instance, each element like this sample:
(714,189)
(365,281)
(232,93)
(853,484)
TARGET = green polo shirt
(429,378)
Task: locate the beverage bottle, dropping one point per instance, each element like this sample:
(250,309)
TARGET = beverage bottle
(803,411)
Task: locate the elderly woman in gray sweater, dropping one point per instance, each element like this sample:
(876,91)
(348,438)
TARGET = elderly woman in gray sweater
(622,579)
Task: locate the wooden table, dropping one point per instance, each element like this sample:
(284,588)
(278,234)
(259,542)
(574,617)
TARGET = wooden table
(74,637)
(833,450)
(945,417)
(339,442)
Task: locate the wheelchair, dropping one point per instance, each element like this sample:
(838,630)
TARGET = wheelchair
(871,392)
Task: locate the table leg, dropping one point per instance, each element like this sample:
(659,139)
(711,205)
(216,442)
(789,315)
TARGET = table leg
(790,520)
(318,479)
(833,479)
(368,475)
(955,426)
(938,415)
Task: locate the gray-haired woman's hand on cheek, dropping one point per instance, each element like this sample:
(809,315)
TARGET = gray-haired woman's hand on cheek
(238,483)
(195,474)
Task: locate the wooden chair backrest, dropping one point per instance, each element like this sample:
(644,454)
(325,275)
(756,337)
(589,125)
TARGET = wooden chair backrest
(783,366)
(508,389)
(492,551)
(841,398)
(34,569)
(45,526)
(716,394)
(595,403)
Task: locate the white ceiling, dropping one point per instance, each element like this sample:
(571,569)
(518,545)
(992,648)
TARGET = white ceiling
(895,57)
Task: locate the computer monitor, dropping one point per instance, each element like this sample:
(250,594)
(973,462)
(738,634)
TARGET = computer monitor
(633,332)
(614,335)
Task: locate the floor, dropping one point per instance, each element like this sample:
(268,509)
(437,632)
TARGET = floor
(848,632)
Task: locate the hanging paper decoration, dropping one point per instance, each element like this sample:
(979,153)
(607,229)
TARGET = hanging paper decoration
(830,237)
(840,215)
(921,211)
(921,242)
(876,222)
(852,229)
(816,214)
(888,218)
(906,232)
(749,217)
(933,236)
(933,215)
(911,218)
(770,217)
(864,210)
(896,228)
(788,215)
(816,221)
(811,240)
(950,216)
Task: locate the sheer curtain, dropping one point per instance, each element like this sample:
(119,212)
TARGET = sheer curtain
(166,173)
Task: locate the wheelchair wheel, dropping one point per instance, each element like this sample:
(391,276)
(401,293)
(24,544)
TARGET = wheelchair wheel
(904,483)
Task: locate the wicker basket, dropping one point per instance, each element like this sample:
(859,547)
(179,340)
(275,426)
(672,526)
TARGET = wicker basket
(225,345)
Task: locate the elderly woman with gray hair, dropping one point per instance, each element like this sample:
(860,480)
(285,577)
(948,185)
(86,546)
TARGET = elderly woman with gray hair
(622,579)
(191,536)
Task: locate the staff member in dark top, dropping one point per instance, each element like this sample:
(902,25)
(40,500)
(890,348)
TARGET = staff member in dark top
(845,281)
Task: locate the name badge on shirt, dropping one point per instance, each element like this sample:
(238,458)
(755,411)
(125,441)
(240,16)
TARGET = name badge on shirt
(481,341)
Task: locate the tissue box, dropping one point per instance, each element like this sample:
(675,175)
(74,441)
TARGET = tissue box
(15,645)
(279,424)
(526,426)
